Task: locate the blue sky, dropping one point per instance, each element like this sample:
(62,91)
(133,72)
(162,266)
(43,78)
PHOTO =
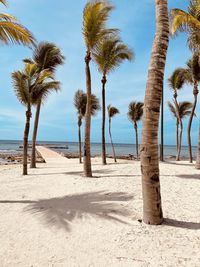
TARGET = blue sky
(60,22)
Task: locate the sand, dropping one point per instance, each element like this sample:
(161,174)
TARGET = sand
(56,217)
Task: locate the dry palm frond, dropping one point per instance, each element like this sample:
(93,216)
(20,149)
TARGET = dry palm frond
(184,109)
(21,88)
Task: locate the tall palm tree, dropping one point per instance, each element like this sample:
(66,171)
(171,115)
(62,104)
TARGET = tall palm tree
(152,207)
(23,84)
(189,22)
(176,82)
(80,102)
(135,112)
(184,110)
(47,57)
(192,76)
(95,16)
(13,32)
(112,111)
(109,53)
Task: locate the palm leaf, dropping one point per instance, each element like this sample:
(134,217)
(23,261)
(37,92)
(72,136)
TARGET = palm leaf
(4,2)
(112,111)
(20,85)
(135,111)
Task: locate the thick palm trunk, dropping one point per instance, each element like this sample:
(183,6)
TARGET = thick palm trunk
(195,93)
(103,120)
(113,149)
(152,207)
(197,165)
(87,156)
(79,138)
(25,145)
(136,138)
(34,138)
(177,135)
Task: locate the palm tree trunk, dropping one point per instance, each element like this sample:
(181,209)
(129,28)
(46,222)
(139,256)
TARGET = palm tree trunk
(103,120)
(113,149)
(181,126)
(34,138)
(136,138)
(87,156)
(177,135)
(195,93)
(197,165)
(25,145)
(152,207)
(79,138)
(180,137)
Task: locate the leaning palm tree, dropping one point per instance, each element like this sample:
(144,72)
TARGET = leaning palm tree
(13,32)
(80,103)
(47,57)
(95,16)
(112,111)
(189,22)
(152,207)
(23,86)
(184,110)
(135,112)
(176,82)
(109,53)
(192,76)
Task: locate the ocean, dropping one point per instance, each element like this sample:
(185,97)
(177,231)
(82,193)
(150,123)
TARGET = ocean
(13,147)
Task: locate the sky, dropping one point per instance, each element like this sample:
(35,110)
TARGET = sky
(60,22)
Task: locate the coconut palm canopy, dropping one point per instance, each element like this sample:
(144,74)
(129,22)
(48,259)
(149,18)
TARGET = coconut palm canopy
(112,111)
(13,32)
(80,101)
(135,111)
(184,109)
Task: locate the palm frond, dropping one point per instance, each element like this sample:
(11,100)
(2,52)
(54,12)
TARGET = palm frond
(21,88)
(112,111)
(12,32)
(172,108)
(48,56)
(4,2)
(135,111)
(95,105)
(110,53)
(177,79)
(185,109)
(7,17)
(95,16)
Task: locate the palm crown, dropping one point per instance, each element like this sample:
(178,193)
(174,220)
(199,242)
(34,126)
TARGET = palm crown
(13,32)
(177,80)
(135,111)
(184,109)
(112,111)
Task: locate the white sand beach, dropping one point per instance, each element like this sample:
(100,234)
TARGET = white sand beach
(56,217)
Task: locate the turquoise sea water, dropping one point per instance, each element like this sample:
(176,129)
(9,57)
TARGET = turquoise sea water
(12,147)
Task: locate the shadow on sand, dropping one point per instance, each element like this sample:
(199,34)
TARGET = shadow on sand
(60,212)
(182,224)
(189,176)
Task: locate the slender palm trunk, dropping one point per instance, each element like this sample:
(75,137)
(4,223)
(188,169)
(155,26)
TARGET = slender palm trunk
(180,137)
(195,93)
(87,156)
(113,149)
(34,138)
(152,207)
(103,120)
(181,126)
(197,165)
(136,138)
(177,135)
(25,145)
(79,138)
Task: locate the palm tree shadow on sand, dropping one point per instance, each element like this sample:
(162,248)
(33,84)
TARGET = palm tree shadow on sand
(60,212)
(182,224)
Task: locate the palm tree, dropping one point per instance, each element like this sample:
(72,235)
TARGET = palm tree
(112,111)
(176,82)
(23,84)
(13,32)
(47,57)
(95,16)
(109,53)
(152,207)
(135,112)
(192,76)
(80,103)
(184,110)
(188,22)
